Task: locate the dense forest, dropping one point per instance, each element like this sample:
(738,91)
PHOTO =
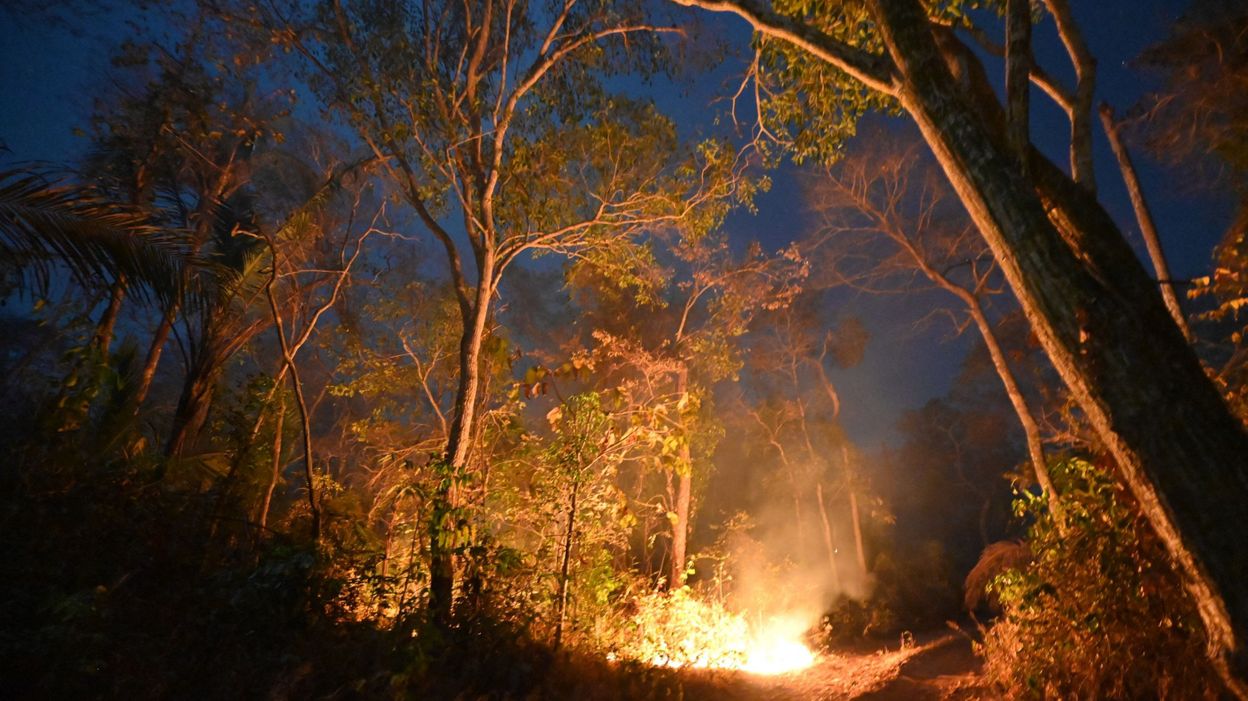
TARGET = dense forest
(517,349)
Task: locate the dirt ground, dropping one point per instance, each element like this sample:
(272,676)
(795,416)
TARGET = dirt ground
(944,668)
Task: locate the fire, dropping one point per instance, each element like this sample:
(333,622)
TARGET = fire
(679,630)
(768,653)
(776,653)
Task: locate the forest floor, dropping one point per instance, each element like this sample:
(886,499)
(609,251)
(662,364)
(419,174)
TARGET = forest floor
(942,668)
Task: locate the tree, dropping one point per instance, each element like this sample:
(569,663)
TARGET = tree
(176,139)
(583,456)
(887,194)
(290,342)
(1198,120)
(495,116)
(47,227)
(796,407)
(1095,311)
(683,338)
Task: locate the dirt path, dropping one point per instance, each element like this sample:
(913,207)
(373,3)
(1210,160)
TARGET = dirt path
(944,668)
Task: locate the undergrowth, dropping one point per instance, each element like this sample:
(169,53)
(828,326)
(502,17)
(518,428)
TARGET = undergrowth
(1098,612)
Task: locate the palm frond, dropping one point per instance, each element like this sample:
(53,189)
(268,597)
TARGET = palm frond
(45,224)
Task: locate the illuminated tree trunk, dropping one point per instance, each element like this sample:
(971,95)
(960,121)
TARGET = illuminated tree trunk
(301,403)
(1031,430)
(829,541)
(108,321)
(855,516)
(1144,217)
(564,566)
(447,500)
(684,496)
(1108,333)
(191,411)
(154,350)
(275,459)
(73,416)
(1080,111)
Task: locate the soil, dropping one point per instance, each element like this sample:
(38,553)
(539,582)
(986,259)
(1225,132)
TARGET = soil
(944,668)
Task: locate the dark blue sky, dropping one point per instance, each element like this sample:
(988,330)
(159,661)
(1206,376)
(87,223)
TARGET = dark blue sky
(49,76)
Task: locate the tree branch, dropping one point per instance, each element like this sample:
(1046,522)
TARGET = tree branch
(872,70)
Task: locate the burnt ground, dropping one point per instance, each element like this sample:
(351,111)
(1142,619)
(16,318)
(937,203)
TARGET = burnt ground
(942,668)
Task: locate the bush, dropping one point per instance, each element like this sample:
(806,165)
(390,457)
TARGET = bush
(1098,612)
(678,628)
(912,589)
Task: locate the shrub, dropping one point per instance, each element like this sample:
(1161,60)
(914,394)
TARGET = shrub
(678,628)
(1098,612)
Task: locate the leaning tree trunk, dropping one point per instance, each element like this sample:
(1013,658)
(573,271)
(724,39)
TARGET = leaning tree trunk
(103,337)
(1144,217)
(154,351)
(275,462)
(1108,333)
(1031,429)
(191,412)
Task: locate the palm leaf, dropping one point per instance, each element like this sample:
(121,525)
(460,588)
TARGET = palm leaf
(46,224)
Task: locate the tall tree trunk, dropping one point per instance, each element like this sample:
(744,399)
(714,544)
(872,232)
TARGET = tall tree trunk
(154,350)
(446,501)
(1018,75)
(191,412)
(1109,335)
(1031,429)
(305,421)
(275,459)
(1144,217)
(305,426)
(103,337)
(855,516)
(684,495)
(562,601)
(1084,63)
(74,407)
(829,539)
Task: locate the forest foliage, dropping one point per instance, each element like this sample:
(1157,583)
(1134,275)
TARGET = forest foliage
(405,350)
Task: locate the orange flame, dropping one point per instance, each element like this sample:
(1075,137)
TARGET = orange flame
(776,649)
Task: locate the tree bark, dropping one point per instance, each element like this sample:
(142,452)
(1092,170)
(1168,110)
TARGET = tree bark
(684,496)
(275,457)
(1110,337)
(154,350)
(855,516)
(829,541)
(103,337)
(1018,75)
(446,501)
(564,566)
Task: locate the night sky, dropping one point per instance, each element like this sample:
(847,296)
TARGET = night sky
(48,77)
